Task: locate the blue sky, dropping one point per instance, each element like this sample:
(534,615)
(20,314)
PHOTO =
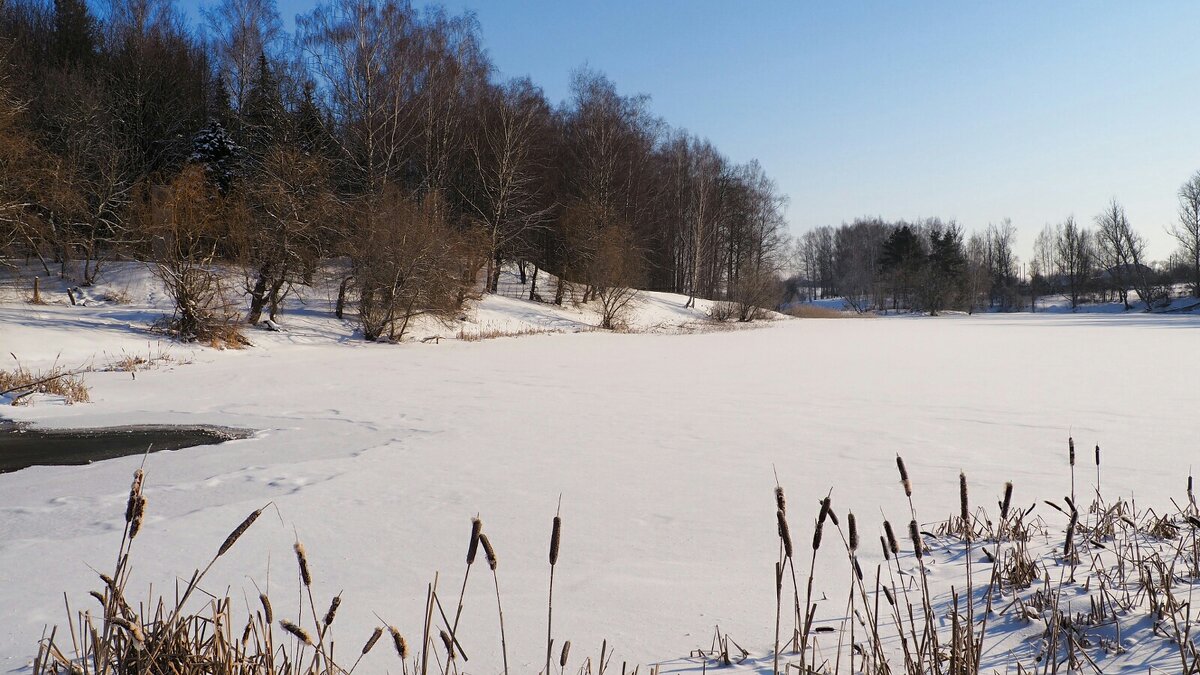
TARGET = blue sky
(976,111)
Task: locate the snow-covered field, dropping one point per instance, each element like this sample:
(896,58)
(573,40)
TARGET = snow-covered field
(663,448)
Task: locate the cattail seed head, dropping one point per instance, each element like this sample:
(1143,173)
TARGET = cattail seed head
(555,535)
(817,534)
(399,643)
(1004,505)
(1071,445)
(99,598)
(1097,455)
(562,660)
(238,532)
(1189,485)
(780,501)
(135,494)
(447,643)
(139,513)
(853,527)
(246,632)
(830,513)
(134,630)
(268,613)
(964,510)
(375,635)
(915,534)
(488,551)
(473,547)
(887,592)
(857,568)
(887,555)
(296,631)
(333,608)
(891,538)
(785,534)
(904,476)
(302,560)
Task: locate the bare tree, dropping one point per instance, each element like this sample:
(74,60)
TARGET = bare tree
(1121,254)
(1075,254)
(1002,265)
(368,53)
(1043,268)
(1187,231)
(289,212)
(240,33)
(509,203)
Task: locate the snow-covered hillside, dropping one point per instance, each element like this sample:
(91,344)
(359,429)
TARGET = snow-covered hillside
(664,449)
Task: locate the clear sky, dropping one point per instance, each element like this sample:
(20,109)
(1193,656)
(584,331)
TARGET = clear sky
(969,110)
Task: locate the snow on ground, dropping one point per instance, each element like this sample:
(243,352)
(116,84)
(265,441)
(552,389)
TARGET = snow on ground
(663,447)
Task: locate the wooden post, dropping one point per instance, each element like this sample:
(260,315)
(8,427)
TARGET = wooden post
(37,292)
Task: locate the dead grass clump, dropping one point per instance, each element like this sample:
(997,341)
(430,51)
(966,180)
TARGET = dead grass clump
(493,333)
(723,311)
(815,312)
(20,383)
(116,296)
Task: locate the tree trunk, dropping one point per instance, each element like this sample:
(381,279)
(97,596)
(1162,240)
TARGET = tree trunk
(532,286)
(258,299)
(275,297)
(340,308)
(494,280)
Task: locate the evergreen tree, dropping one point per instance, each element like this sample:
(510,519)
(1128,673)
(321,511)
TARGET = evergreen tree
(946,267)
(74,37)
(216,150)
(902,258)
(310,127)
(263,118)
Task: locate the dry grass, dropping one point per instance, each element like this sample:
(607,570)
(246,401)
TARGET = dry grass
(20,383)
(116,296)
(815,312)
(192,630)
(491,333)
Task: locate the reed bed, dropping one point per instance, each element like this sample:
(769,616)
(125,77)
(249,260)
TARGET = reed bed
(1057,586)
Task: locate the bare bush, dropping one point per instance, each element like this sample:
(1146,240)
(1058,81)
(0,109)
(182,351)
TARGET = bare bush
(755,294)
(186,220)
(615,272)
(408,261)
(723,311)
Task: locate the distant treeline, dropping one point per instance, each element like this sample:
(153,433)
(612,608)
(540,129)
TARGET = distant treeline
(928,266)
(377,133)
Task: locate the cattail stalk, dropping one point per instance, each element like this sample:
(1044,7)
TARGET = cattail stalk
(493,562)
(1071,449)
(472,551)
(555,536)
